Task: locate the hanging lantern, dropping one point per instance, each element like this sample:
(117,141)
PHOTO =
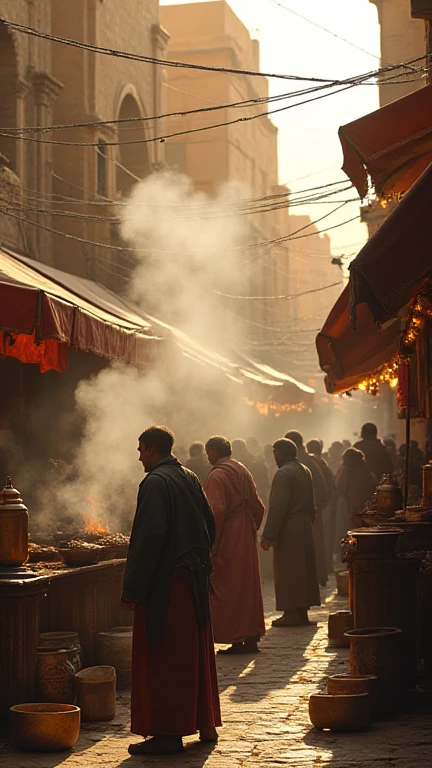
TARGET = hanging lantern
(403,394)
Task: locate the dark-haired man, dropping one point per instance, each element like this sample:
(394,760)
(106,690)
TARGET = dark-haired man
(197,462)
(289,531)
(166,583)
(377,456)
(237,606)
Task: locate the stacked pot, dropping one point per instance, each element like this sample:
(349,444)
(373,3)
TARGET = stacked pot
(384,607)
(380,632)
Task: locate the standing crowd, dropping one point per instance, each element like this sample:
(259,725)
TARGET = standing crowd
(192,575)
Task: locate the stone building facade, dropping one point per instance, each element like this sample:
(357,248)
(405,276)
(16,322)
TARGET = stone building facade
(28,93)
(102,88)
(70,187)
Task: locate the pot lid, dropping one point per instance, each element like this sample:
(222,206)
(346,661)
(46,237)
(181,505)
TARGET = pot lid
(10,497)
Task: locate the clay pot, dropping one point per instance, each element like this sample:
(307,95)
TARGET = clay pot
(55,676)
(339,623)
(347,684)
(115,650)
(96,693)
(377,651)
(340,713)
(69,641)
(44,727)
(379,541)
(342,583)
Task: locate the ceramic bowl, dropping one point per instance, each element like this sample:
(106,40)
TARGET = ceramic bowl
(76,558)
(44,727)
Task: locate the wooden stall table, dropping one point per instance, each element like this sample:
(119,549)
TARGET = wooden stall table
(19,631)
(85,600)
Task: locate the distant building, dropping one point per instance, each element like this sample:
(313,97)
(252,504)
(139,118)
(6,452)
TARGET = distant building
(402,39)
(247,151)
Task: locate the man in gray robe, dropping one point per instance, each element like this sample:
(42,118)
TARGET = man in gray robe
(289,530)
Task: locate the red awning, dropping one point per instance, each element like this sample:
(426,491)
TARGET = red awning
(348,356)
(390,270)
(44,311)
(396,263)
(393,144)
(40,319)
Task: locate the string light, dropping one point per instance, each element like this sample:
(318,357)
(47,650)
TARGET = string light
(388,373)
(264,409)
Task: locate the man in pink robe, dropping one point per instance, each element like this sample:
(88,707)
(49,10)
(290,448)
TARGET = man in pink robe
(236,606)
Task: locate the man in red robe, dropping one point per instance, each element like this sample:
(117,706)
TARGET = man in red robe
(236,605)
(166,584)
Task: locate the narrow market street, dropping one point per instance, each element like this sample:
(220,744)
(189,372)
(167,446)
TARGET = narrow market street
(265,711)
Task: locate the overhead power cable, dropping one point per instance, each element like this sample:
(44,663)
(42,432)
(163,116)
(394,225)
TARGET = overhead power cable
(126,250)
(32,31)
(56,198)
(349,83)
(278,298)
(151,118)
(174,134)
(324,29)
(253,211)
(26,30)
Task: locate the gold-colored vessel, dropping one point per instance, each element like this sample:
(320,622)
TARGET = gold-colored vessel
(13,527)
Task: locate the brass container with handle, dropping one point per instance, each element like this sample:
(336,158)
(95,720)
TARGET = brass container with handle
(13,527)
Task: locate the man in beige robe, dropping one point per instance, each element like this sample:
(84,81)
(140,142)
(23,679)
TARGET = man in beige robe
(289,531)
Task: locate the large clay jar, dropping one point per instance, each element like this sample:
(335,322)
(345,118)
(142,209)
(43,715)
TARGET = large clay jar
(69,641)
(96,693)
(115,650)
(338,624)
(55,677)
(377,651)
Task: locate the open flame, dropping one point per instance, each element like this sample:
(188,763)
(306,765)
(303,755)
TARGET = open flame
(92,525)
(92,520)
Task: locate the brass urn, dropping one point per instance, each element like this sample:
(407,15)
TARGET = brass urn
(427,486)
(13,527)
(388,497)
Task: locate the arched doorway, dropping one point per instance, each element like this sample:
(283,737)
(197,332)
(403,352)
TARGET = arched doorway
(8,98)
(133,159)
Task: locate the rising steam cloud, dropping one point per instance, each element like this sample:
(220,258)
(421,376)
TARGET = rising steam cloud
(187,246)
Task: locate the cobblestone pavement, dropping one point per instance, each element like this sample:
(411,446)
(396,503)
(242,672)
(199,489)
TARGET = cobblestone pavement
(265,713)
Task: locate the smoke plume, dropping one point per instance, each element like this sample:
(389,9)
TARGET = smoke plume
(187,246)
